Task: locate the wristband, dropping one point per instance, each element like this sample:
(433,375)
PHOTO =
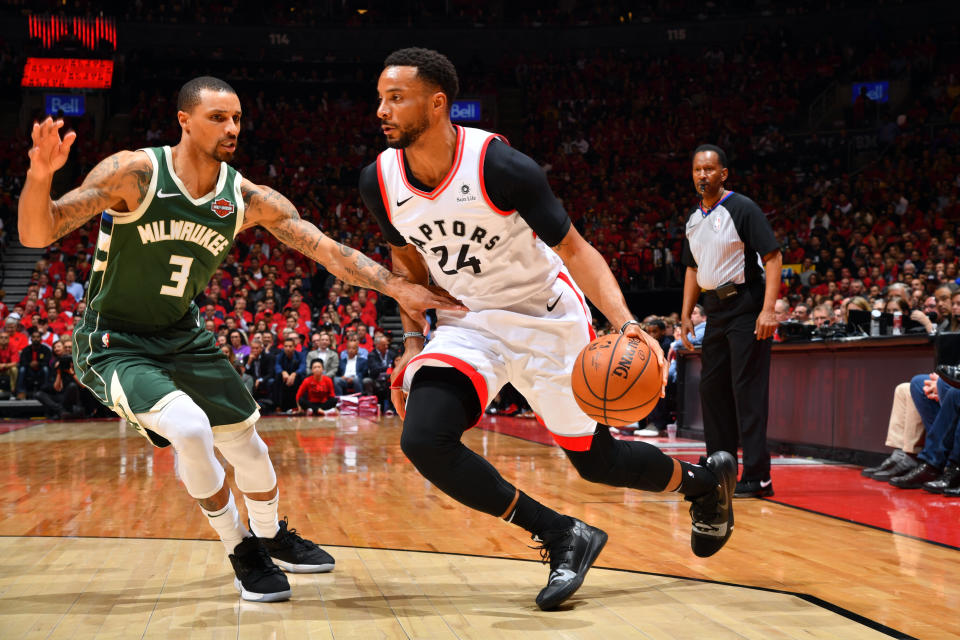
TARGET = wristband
(413,334)
(628,323)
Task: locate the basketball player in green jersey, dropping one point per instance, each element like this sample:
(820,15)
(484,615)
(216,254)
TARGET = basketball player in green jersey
(169,217)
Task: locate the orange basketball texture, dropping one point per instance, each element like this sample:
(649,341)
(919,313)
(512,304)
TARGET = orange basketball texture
(616,380)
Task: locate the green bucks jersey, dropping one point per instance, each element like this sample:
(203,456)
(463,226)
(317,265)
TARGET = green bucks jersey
(151,263)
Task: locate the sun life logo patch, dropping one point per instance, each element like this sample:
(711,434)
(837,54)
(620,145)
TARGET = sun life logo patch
(466,194)
(222,207)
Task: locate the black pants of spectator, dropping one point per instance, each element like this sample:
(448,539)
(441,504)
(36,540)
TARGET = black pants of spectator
(735,380)
(32,380)
(345,387)
(62,404)
(286,395)
(305,404)
(266,395)
(381,389)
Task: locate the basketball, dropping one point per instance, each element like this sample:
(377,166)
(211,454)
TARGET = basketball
(616,380)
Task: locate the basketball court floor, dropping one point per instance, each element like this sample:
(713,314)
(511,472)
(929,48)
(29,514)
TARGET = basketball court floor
(98,539)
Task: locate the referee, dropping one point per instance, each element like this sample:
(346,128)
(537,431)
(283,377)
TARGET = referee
(726,235)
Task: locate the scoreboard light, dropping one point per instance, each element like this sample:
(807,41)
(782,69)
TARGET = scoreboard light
(89,31)
(68,73)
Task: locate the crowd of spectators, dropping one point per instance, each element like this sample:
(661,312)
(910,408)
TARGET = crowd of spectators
(613,132)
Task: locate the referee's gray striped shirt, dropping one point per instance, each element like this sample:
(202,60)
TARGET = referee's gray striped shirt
(725,243)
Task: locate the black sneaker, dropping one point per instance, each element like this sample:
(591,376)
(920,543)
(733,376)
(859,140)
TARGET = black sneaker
(295,554)
(712,513)
(258,578)
(571,554)
(886,465)
(754,489)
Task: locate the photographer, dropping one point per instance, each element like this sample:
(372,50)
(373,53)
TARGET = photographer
(61,399)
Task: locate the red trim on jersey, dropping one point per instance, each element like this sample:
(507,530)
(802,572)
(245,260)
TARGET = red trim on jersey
(570,443)
(593,334)
(479,383)
(432,195)
(383,188)
(483,184)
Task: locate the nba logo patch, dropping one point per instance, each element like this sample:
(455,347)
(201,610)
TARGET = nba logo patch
(222,207)
(105,340)
(716,223)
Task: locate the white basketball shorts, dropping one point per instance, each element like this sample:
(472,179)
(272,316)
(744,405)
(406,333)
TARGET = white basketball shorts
(532,345)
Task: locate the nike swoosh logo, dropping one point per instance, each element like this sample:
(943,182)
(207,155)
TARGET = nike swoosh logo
(161,194)
(400,203)
(551,306)
(765,483)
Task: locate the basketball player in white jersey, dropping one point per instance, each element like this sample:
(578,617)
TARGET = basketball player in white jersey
(462,207)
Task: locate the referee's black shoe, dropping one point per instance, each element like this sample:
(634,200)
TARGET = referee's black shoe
(755,488)
(712,513)
(571,553)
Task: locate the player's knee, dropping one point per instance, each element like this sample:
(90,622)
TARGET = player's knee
(592,467)
(417,444)
(247,453)
(185,425)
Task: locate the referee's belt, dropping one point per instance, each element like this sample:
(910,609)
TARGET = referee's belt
(729,290)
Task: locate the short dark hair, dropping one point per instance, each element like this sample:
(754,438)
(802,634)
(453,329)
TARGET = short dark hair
(189,96)
(432,66)
(712,147)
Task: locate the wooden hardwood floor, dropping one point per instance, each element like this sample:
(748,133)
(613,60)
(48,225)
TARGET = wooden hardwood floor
(101,540)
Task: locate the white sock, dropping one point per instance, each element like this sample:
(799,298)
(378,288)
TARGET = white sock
(226,522)
(263,516)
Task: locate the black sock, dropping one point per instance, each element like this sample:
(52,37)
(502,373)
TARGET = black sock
(537,518)
(695,480)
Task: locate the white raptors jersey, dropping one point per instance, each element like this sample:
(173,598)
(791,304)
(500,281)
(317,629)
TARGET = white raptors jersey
(485,257)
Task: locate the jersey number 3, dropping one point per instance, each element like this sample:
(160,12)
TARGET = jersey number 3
(463,260)
(179,277)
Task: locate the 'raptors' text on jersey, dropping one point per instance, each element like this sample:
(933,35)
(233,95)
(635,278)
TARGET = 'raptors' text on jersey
(484,256)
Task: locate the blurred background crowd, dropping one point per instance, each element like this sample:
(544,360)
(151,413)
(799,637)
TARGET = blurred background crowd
(862,190)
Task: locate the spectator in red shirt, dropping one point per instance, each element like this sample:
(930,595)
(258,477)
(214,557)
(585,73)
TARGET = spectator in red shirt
(368,311)
(316,394)
(243,317)
(9,363)
(297,304)
(363,338)
(18,339)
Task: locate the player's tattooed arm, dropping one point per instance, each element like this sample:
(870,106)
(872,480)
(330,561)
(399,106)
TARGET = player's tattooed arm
(269,208)
(119,182)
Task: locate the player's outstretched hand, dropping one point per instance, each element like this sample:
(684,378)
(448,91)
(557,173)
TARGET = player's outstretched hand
(634,331)
(49,152)
(417,299)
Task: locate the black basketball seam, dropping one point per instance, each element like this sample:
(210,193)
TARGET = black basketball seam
(639,375)
(583,372)
(606,382)
(594,406)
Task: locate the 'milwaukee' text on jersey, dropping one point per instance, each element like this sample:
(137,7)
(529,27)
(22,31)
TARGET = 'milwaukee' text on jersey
(184,230)
(152,262)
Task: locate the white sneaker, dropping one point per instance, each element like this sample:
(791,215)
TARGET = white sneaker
(647,432)
(331,412)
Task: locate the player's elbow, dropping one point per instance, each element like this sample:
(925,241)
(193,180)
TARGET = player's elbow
(33,239)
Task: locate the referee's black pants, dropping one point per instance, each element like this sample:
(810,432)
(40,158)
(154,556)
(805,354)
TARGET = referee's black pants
(735,380)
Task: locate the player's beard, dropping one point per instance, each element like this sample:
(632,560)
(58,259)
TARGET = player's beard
(222,155)
(409,135)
